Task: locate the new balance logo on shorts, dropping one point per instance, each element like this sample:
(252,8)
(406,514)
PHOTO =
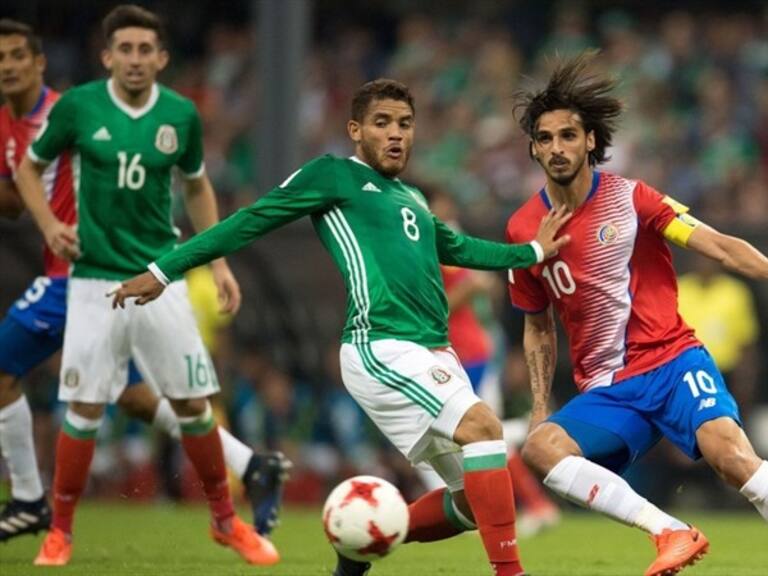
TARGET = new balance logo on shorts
(102,134)
(707,403)
(371,187)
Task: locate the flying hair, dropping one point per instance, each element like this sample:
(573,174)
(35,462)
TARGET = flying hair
(575,86)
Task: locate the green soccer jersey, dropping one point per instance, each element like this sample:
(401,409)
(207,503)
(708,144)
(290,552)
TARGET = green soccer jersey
(381,235)
(122,161)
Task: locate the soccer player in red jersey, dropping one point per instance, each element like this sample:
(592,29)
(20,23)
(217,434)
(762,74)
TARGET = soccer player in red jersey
(641,371)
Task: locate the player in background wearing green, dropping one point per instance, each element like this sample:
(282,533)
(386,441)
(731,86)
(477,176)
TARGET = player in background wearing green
(396,360)
(126,135)
(33,328)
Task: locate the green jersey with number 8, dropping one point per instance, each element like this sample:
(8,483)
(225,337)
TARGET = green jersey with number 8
(122,163)
(382,237)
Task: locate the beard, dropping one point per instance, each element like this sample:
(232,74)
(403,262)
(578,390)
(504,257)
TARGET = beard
(564,179)
(371,158)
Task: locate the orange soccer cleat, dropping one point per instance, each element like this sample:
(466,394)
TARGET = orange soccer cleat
(676,549)
(56,549)
(244,540)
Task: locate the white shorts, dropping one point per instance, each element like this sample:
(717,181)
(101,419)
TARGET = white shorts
(415,395)
(161,337)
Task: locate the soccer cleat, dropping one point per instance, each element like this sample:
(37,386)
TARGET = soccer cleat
(56,549)
(263,480)
(20,517)
(244,540)
(348,567)
(676,549)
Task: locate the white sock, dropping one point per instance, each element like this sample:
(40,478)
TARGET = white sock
(18,448)
(165,419)
(595,487)
(236,454)
(756,489)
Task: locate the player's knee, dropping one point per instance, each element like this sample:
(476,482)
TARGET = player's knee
(189,407)
(10,389)
(726,448)
(477,425)
(544,447)
(87,410)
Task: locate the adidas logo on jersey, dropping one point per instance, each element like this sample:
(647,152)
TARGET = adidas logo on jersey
(102,134)
(371,187)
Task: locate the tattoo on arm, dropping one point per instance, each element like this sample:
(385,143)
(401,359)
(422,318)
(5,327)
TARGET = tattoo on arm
(541,365)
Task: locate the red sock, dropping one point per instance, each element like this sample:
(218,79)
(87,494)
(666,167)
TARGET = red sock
(490,495)
(73,462)
(431,519)
(207,456)
(527,488)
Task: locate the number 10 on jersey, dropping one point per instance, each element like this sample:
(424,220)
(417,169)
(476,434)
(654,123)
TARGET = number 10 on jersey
(559,278)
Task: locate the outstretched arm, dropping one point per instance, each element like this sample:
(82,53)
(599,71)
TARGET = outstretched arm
(540,346)
(733,253)
(455,249)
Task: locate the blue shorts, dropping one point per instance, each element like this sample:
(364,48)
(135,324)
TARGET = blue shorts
(33,330)
(476,371)
(615,425)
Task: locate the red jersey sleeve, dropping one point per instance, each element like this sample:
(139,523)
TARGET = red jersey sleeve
(654,210)
(525,291)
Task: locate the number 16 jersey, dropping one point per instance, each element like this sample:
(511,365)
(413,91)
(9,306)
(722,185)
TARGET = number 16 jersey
(122,160)
(613,286)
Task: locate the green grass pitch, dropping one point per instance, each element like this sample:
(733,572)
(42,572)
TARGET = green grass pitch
(164,540)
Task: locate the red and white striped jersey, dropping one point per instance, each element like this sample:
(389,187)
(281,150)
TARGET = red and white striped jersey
(613,286)
(15,135)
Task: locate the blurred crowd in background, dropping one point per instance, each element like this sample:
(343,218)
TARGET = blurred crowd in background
(695,83)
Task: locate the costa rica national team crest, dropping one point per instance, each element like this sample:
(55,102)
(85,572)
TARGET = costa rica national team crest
(166,139)
(607,234)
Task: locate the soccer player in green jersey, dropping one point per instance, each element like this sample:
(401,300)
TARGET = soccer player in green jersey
(126,134)
(395,356)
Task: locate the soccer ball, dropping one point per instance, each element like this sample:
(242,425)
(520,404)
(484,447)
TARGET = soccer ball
(365,518)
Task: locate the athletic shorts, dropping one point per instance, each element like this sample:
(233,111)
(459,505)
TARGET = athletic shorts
(161,337)
(615,425)
(415,395)
(33,329)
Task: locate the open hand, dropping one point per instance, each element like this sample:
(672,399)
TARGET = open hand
(548,229)
(144,287)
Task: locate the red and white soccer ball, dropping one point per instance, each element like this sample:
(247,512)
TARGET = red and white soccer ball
(365,518)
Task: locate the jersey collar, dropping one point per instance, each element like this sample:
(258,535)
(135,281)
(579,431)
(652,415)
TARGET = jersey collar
(39,103)
(356,159)
(592,190)
(134,113)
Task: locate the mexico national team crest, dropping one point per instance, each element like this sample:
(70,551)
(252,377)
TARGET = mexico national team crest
(71,378)
(166,139)
(607,234)
(439,375)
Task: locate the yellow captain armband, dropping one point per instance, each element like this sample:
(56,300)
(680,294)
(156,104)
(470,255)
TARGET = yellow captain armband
(679,230)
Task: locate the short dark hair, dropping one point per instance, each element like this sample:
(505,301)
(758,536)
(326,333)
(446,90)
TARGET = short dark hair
(572,86)
(130,16)
(380,89)
(10,27)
